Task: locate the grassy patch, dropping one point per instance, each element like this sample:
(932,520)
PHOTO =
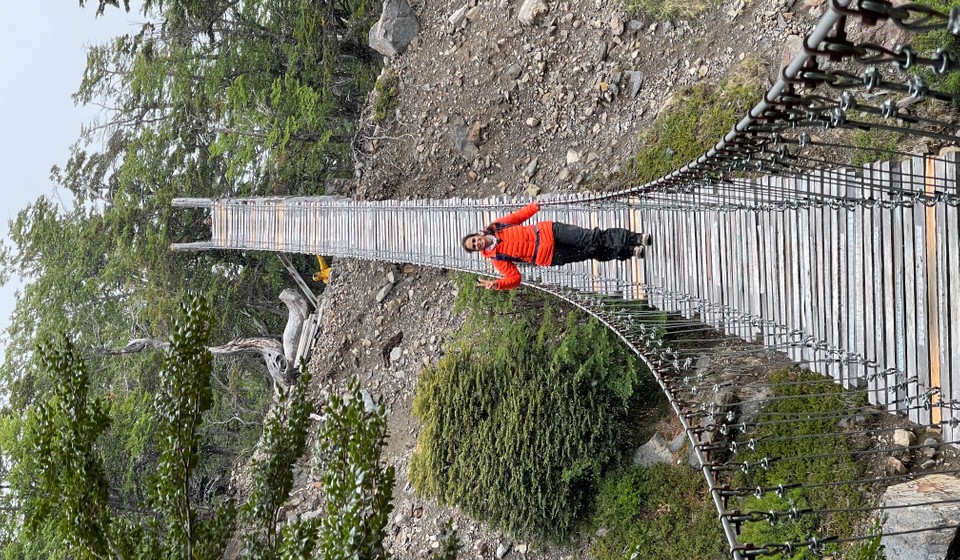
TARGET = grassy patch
(930,42)
(799,460)
(663,10)
(524,413)
(386,88)
(659,512)
(873,145)
(692,122)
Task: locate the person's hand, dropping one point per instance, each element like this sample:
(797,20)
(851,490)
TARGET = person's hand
(488,284)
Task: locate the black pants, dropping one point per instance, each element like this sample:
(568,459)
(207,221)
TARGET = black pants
(575,244)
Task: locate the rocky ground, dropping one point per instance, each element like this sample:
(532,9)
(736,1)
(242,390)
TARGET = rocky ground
(489,105)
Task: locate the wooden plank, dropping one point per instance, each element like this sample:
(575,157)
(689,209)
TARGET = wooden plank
(834,275)
(737,271)
(889,300)
(952,290)
(920,290)
(911,279)
(756,290)
(781,292)
(305,344)
(813,216)
(883,264)
(842,300)
(935,170)
(727,283)
(743,268)
(716,237)
(896,241)
(856,288)
(820,267)
(311,297)
(695,257)
(768,267)
(796,285)
(873,322)
(805,274)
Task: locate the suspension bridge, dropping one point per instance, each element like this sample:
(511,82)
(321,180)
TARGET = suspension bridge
(773,238)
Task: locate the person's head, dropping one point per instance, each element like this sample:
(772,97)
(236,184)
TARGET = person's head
(473,242)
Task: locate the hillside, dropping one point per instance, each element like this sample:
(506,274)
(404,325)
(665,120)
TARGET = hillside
(491,106)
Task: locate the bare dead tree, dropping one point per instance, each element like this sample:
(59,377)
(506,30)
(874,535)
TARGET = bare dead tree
(278,356)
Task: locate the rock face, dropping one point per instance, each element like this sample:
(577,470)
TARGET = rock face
(653,452)
(398,25)
(923,545)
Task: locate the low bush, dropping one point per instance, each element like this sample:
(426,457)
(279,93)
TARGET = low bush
(523,414)
(661,512)
(807,451)
(928,43)
(695,119)
(385,102)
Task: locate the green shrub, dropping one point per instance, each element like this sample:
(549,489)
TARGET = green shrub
(693,122)
(386,89)
(874,145)
(523,414)
(812,397)
(929,42)
(661,512)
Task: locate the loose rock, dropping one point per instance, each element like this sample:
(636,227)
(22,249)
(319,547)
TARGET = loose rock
(531,10)
(903,438)
(397,26)
(653,452)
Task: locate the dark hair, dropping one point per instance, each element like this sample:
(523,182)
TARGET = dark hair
(463,242)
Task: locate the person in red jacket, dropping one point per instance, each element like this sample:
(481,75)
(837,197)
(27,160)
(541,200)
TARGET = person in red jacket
(507,242)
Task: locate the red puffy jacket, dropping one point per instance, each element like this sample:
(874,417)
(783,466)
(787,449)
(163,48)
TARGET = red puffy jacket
(519,243)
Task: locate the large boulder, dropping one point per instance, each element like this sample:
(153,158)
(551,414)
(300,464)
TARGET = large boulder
(398,25)
(922,545)
(653,452)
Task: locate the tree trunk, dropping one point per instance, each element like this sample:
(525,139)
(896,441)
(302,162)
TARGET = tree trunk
(269,349)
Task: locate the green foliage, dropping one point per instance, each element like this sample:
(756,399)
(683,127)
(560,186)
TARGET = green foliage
(124,282)
(522,415)
(356,486)
(449,543)
(640,509)
(812,397)
(206,100)
(70,503)
(68,508)
(281,444)
(874,145)
(386,89)
(184,396)
(695,119)
(928,43)
(872,548)
(71,491)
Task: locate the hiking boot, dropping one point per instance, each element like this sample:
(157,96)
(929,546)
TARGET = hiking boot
(639,251)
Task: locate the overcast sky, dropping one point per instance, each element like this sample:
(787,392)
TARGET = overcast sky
(42,58)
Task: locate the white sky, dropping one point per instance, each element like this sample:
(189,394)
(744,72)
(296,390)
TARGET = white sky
(42,58)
